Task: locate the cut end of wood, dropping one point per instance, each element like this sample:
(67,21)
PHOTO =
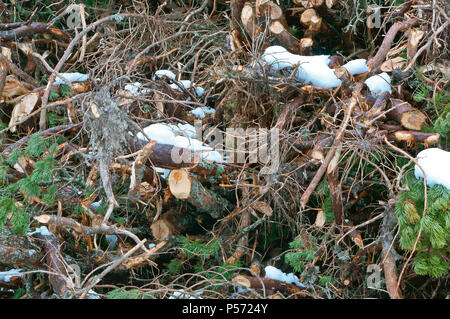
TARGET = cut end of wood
(180,183)
(413,120)
(308,17)
(276,27)
(162,229)
(241,280)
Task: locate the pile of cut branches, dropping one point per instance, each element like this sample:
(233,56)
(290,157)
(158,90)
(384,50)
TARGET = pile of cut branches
(224,149)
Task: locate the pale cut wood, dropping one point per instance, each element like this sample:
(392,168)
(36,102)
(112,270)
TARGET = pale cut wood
(180,183)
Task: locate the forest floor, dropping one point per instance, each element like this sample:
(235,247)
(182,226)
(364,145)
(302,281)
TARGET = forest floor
(224,149)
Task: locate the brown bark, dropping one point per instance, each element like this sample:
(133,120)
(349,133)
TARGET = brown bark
(137,169)
(413,137)
(378,107)
(31,29)
(335,187)
(18,251)
(390,269)
(54,260)
(270,286)
(408,116)
(208,202)
(376,61)
(285,37)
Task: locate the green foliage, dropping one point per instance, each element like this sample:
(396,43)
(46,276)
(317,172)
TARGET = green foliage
(439,102)
(122,293)
(191,248)
(302,255)
(54,95)
(19,292)
(174,266)
(10,207)
(435,224)
(39,183)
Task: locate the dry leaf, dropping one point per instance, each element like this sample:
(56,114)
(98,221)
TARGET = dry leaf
(23,109)
(13,87)
(393,64)
(262,207)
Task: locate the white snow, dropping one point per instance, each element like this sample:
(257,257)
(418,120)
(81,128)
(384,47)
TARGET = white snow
(200,112)
(198,90)
(379,83)
(436,164)
(71,77)
(180,135)
(315,70)
(277,274)
(133,88)
(136,89)
(180,294)
(43,230)
(311,69)
(167,73)
(279,58)
(164,171)
(357,66)
(7,275)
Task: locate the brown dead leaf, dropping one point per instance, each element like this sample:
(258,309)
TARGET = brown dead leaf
(13,87)
(262,207)
(396,63)
(23,109)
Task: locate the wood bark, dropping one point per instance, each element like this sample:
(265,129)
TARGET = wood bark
(270,286)
(408,116)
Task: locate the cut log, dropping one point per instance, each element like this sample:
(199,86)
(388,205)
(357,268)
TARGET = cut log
(249,20)
(317,150)
(180,183)
(413,137)
(271,286)
(285,37)
(408,116)
(207,201)
(166,226)
(309,3)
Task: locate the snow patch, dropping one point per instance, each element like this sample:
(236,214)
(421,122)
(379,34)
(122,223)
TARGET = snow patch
(181,135)
(43,230)
(436,164)
(200,112)
(379,83)
(180,294)
(136,89)
(7,275)
(167,73)
(71,77)
(198,90)
(277,274)
(357,66)
(311,69)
